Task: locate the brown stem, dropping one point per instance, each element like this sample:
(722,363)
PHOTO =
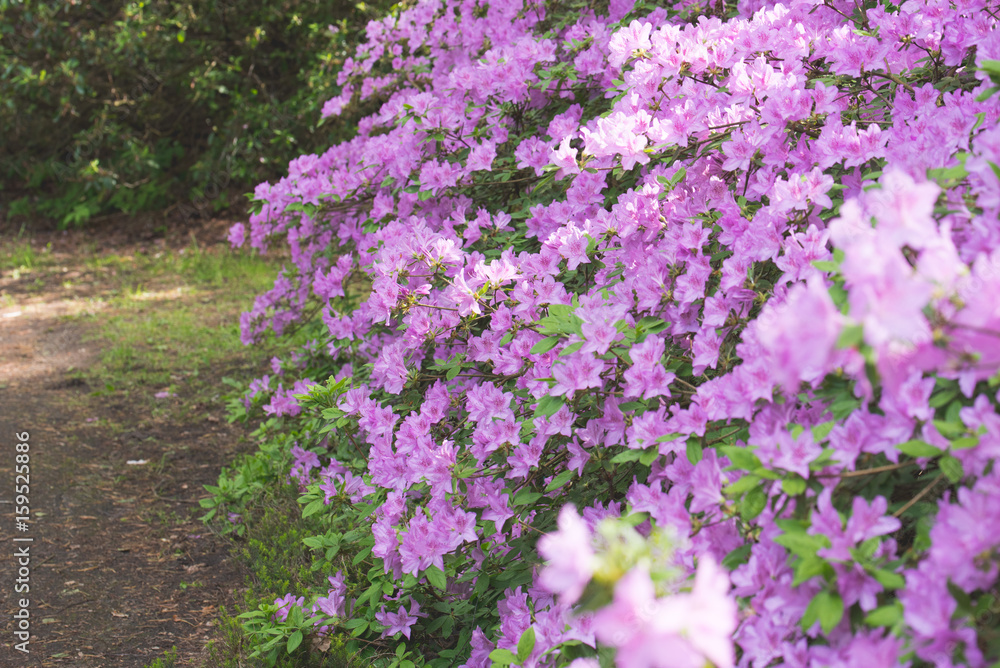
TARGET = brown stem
(863,472)
(921,494)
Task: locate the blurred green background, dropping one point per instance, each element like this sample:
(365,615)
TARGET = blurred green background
(133,106)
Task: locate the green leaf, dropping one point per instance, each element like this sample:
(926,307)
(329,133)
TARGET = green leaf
(545,345)
(887,615)
(888,579)
(991,67)
(482,585)
(370,593)
(560,480)
(965,442)
(313,508)
(362,555)
(526,645)
(801,544)
(649,456)
(841,408)
(792,526)
(753,503)
(950,429)
(548,405)
(823,430)
(808,568)
(571,348)
(951,468)
(826,607)
(942,398)
(436,577)
(988,93)
(918,448)
(332,413)
(737,557)
(741,486)
(694,450)
(793,485)
(826,265)
(526,498)
(948,175)
(766,473)
(851,336)
(626,456)
(635,519)
(502,657)
(294,641)
(740,456)
(651,325)
(961,597)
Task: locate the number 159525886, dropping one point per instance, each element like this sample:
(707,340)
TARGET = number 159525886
(22,481)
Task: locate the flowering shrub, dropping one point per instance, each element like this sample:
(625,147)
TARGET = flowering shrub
(654,336)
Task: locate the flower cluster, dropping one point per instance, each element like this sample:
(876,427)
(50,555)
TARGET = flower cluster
(728,274)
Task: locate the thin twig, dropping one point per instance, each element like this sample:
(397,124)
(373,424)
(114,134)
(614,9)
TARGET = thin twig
(919,496)
(871,471)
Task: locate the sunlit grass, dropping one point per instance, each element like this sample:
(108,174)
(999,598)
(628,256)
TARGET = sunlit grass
(19,256)
(172,321)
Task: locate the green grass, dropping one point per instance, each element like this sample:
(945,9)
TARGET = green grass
(173,322)
(196,266)
(19,256)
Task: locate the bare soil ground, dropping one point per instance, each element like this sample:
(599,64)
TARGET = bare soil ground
(121,568)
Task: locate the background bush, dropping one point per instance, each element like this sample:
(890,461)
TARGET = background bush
(129,106)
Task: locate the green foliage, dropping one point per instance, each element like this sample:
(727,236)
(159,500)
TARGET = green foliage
(108,106)
(234,645)
(168,660)
(277,545)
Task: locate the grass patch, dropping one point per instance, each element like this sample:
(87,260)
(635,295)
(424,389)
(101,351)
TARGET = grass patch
(172,325)
(20,257)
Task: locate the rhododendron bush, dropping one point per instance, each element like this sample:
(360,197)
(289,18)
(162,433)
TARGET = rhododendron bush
(648,336)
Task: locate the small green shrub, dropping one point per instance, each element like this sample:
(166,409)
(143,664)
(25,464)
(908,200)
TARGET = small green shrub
(256,504)
(168,660)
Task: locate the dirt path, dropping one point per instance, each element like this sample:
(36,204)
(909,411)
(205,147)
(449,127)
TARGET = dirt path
(121,570)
